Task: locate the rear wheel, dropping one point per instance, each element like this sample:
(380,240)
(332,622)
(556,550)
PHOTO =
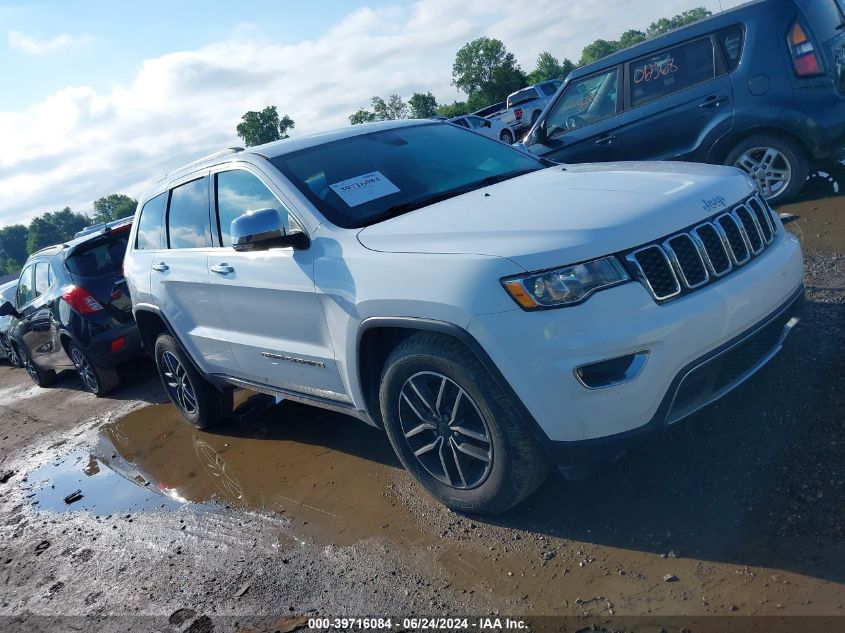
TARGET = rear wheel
(199,402)
(777,165)
(453,429)
(506,137)
(41,377)
(97,380)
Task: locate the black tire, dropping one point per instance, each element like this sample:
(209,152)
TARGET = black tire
(95,379)
(203,405)
(506,136)
(516,465)
(747,154)
(41,377)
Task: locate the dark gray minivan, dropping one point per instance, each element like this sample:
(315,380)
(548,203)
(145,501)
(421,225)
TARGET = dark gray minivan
(760,87)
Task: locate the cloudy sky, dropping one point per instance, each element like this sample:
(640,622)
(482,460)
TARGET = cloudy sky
(101,97)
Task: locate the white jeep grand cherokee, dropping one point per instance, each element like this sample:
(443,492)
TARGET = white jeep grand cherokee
(494,313)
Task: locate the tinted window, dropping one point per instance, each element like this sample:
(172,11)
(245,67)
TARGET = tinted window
(461,122)
(477,121)
(365,178)
(151,224)
(824,16)
(187,220)
(585,101)
(238,192)
(671,70)
(100,257)
(43,278)
(529,94)
(25,287)
(731,42)
(550,88)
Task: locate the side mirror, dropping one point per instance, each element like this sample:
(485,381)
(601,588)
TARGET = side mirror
(488,124)
(7,309)
(537,135)
(262,230)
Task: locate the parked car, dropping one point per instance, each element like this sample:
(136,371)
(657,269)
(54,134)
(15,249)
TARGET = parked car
(760,87)
(491,311)
(485,127)
(7,293)
(523,107)
(72,310)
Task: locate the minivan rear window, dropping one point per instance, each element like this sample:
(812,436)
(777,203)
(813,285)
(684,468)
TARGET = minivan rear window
(671,70)
(100,256)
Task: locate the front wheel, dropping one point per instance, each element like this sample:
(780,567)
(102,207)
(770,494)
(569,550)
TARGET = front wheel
(454,430)
(199,402)
(506,137)
(778,166)
(97,380)
(12,354)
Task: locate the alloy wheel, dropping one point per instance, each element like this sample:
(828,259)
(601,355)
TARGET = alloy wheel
(85,370)
(178,384)
(445,430)
(769,168)
(30,368)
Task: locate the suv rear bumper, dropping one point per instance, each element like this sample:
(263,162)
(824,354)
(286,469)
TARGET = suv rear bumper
(100,347)
(537,353)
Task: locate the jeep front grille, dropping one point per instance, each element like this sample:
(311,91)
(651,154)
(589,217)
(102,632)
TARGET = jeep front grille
(696,256)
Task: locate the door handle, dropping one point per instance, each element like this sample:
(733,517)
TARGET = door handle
(713,101)
(222,269)
(161,267)
(607,139)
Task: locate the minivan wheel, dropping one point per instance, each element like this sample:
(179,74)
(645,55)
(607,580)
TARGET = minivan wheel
(454,430)
(41,377)
(506,137)
(199,402)
(98,380)
(778,166)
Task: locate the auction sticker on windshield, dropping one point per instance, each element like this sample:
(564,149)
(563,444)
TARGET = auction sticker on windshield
(361,189)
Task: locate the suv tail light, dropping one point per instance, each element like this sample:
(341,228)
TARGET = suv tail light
(518,114)
(81,300)
(804,57)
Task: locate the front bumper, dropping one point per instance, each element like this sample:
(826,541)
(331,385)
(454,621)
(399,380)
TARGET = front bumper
(538,352)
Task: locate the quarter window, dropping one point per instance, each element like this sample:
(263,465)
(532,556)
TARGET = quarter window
(731,42)
(671,70)
(585,101)
(151,224)
(25,287)
(43,278)
(239,192)
(188,225)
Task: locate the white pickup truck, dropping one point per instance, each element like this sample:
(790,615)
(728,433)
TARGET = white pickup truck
(523,107)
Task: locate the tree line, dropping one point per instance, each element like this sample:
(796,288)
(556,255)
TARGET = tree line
(19,241)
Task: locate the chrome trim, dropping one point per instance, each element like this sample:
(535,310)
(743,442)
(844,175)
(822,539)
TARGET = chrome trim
(673,257)
(766,215)
(703,249)
(631,257)
(756,224)
(727,242)
(787,329)
(742,232)
(633,372)
(294,359)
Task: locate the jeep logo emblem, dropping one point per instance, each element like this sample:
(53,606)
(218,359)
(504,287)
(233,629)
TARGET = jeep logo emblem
(715,202)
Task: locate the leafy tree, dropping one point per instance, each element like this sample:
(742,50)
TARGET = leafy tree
(13,243)
(451,110)
(393,108)
(486,71)
(9,267)
(664,25)
(597,50)
(629,38)
(67,222)
(548,67)
(42,233)
(114,207)
(361,116)
(423,106)
(257,128)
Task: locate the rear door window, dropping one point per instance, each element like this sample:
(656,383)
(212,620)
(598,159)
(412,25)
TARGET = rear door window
(102,256)
(188,224)
(671,71)
(731,42)
(239,192)
(550,88)
(43,278)
(25,294)
(151,224)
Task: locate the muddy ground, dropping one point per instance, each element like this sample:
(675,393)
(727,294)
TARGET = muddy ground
(289,512)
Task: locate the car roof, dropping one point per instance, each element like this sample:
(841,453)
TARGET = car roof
(86,235)
(700,27)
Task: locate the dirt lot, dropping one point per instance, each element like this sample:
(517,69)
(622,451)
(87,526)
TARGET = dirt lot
(291,512)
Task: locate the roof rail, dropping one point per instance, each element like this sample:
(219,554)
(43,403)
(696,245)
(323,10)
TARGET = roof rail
(222,152)
(57,247)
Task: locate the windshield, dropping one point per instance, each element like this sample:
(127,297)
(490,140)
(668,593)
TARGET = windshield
(364,179)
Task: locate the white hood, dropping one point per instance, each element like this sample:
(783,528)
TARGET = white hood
(565,215)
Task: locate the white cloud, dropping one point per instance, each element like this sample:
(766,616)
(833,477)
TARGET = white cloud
(32,45)
(78,144)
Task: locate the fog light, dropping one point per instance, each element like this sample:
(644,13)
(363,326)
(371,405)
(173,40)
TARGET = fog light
(613,371)
(118,343)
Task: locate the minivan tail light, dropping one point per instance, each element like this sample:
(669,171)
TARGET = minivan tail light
(804,57)
(81,300)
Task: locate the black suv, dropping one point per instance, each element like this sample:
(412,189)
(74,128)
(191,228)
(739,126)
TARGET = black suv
(72,310)
(760,87)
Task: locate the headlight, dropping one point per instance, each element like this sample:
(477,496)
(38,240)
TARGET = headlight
(565,286)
